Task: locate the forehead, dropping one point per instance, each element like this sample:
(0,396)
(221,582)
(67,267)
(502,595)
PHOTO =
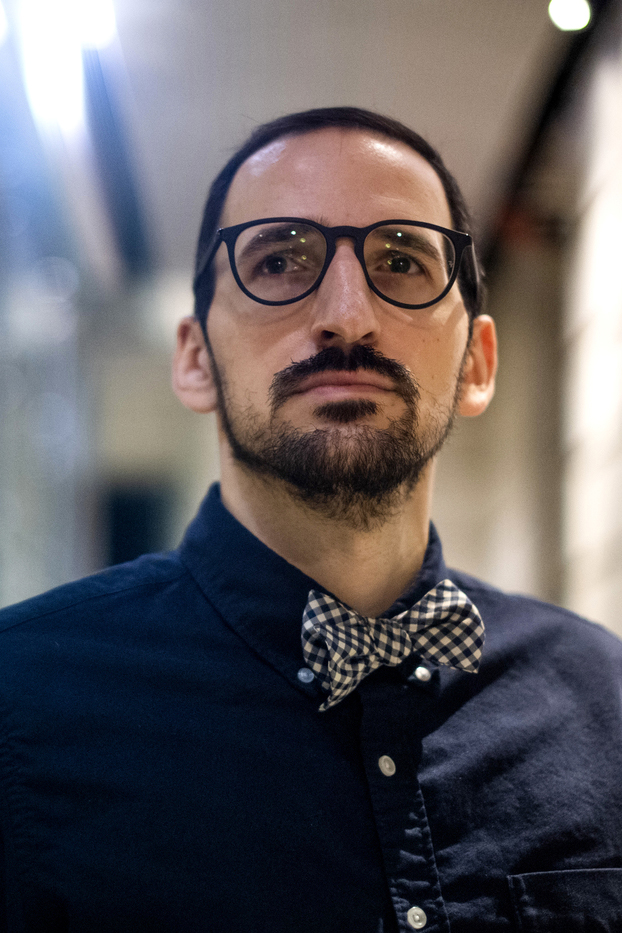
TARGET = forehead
(337,176)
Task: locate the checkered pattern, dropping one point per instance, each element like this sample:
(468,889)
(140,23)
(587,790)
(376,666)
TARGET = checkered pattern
(342,647)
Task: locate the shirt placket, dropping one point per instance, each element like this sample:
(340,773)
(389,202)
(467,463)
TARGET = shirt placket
(391,749)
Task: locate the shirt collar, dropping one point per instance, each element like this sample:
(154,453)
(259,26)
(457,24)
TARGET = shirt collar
(258,593)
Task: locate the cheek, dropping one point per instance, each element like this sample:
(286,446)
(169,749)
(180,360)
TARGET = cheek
(247,359)
(436,362)
(255,345)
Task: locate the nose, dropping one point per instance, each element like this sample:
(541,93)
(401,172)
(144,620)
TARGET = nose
(344,307)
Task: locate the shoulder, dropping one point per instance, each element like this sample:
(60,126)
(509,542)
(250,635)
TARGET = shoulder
(126,584)
(532,627)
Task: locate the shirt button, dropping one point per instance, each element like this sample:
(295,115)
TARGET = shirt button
(422,673)
(416,918)
(305,675)
(387,766)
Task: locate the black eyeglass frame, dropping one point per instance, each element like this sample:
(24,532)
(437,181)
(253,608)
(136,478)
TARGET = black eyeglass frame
(229,235)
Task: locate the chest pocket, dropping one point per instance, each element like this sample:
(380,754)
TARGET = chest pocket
(582,901)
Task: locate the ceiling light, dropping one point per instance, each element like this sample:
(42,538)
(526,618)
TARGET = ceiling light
(52,63)
(53,34)
(570,15)
(96,23)
(4,26)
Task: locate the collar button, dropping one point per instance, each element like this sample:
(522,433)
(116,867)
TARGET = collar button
(387,766)
(417,918)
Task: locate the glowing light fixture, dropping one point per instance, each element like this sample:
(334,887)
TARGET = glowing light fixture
(570,15)
(96,22)
(4,26)
(52,63)
(53,34)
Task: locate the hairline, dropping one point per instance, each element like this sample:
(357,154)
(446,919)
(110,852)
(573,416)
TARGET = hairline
(377,134)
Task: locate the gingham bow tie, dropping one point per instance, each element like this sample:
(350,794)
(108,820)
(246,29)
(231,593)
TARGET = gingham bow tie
(342,647)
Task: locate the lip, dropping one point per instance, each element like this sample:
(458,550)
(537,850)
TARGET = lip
(351,383)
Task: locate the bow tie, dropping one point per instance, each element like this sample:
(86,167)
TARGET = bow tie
(342,647)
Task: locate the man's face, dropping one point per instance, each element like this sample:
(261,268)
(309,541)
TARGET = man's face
(377,385)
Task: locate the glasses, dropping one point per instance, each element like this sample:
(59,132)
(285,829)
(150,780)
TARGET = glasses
(279,260)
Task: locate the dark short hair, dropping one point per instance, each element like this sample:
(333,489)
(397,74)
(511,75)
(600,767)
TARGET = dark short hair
(296,124)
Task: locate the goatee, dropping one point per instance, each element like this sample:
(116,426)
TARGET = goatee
(358,474)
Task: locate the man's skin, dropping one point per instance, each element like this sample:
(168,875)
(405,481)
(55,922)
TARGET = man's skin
(335,176)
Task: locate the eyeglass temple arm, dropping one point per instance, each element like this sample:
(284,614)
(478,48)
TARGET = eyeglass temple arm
(208,255)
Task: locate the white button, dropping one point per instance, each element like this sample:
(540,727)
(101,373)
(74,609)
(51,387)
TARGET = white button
(422,673)
(387,766)
(417,918)
(305,675)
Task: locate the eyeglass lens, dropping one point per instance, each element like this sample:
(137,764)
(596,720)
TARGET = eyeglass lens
(406,263)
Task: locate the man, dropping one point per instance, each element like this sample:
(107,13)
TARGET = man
(176,754)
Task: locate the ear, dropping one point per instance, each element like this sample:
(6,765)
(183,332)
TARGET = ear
(193,381)
(480,368)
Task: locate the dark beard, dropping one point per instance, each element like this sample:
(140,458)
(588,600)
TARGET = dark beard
(357,475)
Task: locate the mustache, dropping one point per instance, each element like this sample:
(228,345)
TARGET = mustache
(334,359)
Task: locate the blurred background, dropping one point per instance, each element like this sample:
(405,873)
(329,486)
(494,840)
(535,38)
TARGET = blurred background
(114,117)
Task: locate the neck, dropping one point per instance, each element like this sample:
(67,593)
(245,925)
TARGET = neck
(366,565)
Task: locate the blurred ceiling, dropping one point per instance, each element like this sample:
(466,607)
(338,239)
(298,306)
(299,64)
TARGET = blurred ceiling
(189,79)
(470,75)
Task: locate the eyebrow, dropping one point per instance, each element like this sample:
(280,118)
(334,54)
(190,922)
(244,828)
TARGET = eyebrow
(270,235)
(408,239)
(281,234)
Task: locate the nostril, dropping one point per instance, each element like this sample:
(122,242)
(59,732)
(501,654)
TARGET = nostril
(332,338)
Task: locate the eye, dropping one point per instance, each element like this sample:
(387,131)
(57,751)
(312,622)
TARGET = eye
(275,265)
(281,262)
(399,263)
(403,264)
(289,261)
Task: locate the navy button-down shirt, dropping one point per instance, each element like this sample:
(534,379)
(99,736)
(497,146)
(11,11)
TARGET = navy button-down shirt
(164,768)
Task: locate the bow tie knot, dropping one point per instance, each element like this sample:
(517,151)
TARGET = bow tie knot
(342,647)
(355,640)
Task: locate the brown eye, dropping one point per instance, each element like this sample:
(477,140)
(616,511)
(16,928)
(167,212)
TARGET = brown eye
(399,264)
